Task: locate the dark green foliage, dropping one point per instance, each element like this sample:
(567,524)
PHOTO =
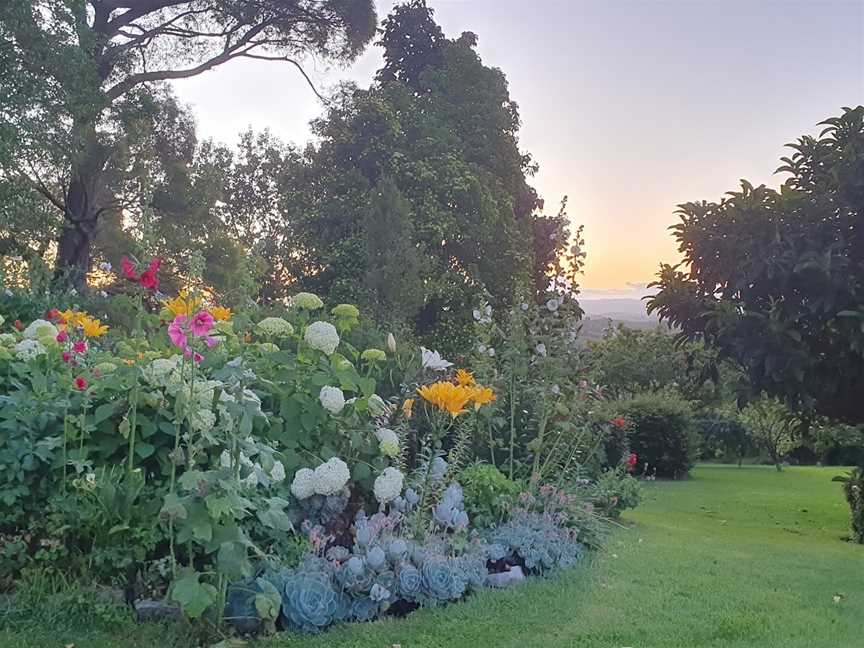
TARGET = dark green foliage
(775,279)
(489,495)
(853,488)
(723,438)
(661,433)
(615,491)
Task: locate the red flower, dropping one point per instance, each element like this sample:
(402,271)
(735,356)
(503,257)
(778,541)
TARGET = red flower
(53,315)
(80,347)
(128,269)
(81,383)
(632,460)
(18,325)
(619,422)
(62,336)
(148,279)
(67,357)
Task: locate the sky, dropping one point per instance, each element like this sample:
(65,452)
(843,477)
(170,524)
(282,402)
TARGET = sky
(629,107)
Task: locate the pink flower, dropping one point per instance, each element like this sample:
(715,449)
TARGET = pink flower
(189,353)
(62,336)
(128,269)
(81,383)
(67,357)
(177,332)
(202,322)
(210,341)
(80,347)
(148,279)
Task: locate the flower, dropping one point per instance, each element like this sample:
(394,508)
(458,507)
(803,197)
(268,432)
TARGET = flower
(391,343)
(105,266)
(275,327)
(220,313)
(322,336)
(446,396)
(433,360)
(632,460)
(40,328)
(182,304)
(80,346)
(481,395)
(540,349)
(552,305)
(408,407)
(203,420)
(268,347)
(307,301)
(148,278)
(62,336)
(303,485)
(377,406)
(81,383)
(345,311)
(619,422)
(388,442)
(92,327)
(332,399)
(464,378)
(331,477)
(373,355)
(177,331)
(491,352)
(7,339)
(29,349)
(388,484)
(201,323)
(67,357)
(277,472)
(128,269)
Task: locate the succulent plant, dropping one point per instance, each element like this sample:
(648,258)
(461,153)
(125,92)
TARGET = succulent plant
(538,541)
(438,582)
(376,558)
(364,609)
(309,601)
(409,582)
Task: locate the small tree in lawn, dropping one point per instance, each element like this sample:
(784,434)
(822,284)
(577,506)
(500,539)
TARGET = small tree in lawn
(770,423)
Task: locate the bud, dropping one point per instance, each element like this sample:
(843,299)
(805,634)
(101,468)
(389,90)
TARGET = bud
(391,343)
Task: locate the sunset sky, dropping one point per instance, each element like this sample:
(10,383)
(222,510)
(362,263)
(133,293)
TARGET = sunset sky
(629,107)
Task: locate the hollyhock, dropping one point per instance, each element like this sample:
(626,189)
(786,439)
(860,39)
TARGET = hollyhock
(202,323)
(67,357)
(18,325)
(80,347)
(128,269)
(62,336)
(632,460)
(211,341)
(177,332)
(81,383)
(148,279)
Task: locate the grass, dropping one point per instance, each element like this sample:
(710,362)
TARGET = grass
(730,558)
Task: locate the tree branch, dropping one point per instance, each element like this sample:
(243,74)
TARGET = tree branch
(264,57)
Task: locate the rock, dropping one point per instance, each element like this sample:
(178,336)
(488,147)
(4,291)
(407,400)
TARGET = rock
(514,576)
(150,610)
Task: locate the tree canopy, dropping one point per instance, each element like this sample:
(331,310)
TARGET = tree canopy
(775,279)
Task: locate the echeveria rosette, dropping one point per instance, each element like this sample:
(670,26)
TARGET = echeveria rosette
(409,582)
(309,601)
(438,583)
(322,336)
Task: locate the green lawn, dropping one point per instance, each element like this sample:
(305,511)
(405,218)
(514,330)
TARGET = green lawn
(732,557)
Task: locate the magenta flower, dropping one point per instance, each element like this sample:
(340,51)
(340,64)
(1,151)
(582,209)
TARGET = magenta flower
(202,322)
(210,341)
(80,347)
(177,332)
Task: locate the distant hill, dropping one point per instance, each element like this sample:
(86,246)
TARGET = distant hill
(601,313)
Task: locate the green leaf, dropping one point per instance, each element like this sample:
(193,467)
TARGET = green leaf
(367,386)
(232,560)
(190,479)
(268,602)
(193,596)
(173,508)
(104,411)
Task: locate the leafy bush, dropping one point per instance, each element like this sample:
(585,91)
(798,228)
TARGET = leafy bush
(723,438)
(661,433)
(489,495)
(770,423)
(853,488)
(616,491)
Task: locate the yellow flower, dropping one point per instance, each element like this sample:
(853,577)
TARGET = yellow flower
(481,396)
(446,396)
(182,304)
(220,313)
(464,378)
(407,407)
(68,318)
(92,327)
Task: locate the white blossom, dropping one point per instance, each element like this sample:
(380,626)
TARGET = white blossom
(40,329)
(203,420)
(6,339)
(277,473)
(332,399)
(388,485)
(331,477)
(28,349)
(307,301)
(540,349)
(388,442)
(552,305)
(433,360)
(491,352)
(275,327)
(524,306)
(303,485)
(322,336)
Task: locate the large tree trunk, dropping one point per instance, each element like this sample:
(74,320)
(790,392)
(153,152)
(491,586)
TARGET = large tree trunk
(83,208)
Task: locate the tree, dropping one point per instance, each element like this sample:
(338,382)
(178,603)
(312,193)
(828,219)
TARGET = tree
(775,279)
(75,63)
(770,424)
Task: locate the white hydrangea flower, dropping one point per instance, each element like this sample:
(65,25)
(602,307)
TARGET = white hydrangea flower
(158,372)
(40,329)
(303,485)
(332,399)
(388,442)
(331,477)
(388,485)
(307,301)
(275,327)
(277,473)
(26,350)
(433,360)
(7,339)
(203,420)
(322,336)
(268,347)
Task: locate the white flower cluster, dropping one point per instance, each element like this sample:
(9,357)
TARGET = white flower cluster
(163,371)
(307,301)
(327,479)
(322,336)
(332,399)
(388,442)
(433,360)
(26,350)
(7,339)
(40,329)
(275,327)
(388,485)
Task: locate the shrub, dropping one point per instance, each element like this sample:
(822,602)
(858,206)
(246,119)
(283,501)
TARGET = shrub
(853,488)
(723,438)
(661,433)
(770,424)
(616,491)
(489,495)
